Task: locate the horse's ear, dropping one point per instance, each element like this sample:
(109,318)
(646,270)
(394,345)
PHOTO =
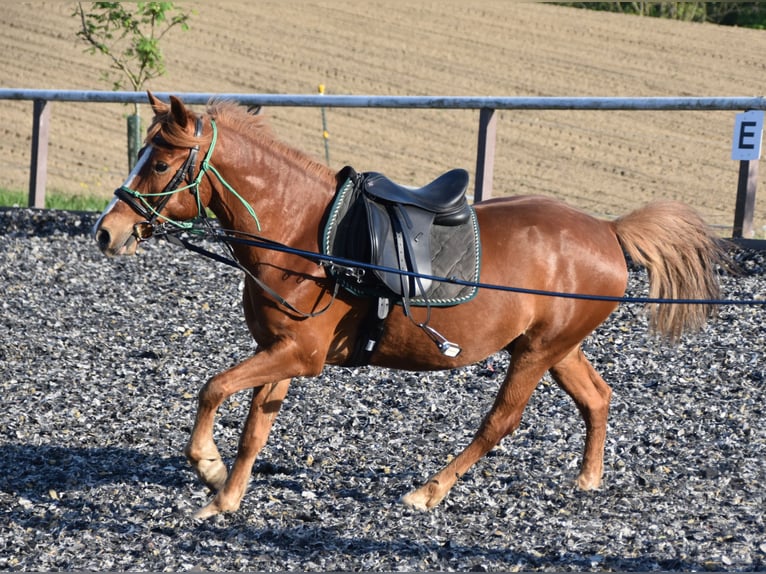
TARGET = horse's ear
(158,106)
(178,109)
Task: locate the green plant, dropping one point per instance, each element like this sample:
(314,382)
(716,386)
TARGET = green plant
(129,35)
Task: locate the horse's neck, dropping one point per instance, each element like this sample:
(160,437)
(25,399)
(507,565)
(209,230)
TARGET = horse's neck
(288,198)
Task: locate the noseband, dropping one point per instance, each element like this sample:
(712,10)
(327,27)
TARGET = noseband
(138,202)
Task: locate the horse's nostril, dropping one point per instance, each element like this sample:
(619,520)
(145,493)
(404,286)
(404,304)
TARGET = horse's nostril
(103,239)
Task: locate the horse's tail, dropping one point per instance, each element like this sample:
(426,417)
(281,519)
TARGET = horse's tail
(682,255)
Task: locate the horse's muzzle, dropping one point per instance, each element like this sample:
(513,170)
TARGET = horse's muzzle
(103,239)
(112,245)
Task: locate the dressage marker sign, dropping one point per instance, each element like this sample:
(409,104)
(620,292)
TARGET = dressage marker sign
(746,147)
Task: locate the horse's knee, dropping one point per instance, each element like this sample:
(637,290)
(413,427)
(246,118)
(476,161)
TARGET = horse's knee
(497,425)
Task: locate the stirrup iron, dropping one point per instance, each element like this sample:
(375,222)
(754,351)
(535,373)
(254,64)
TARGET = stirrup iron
(446,348)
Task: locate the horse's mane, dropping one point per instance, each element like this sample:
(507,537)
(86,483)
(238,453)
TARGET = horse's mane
(237,117)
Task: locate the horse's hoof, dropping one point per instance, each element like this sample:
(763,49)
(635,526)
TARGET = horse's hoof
(207,511)
(414,500)
(221,504)
(588,483)
(423,498)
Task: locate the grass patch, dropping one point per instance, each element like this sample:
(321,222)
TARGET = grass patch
(11,198)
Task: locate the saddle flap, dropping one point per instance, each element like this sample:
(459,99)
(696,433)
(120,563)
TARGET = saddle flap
(379,228)
(400,238)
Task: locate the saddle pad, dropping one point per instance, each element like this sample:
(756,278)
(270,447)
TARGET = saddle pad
(456,252)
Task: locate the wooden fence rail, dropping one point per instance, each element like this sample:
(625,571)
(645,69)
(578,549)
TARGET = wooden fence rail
(743,216)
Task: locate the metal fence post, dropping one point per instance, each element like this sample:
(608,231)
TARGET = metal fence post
(485,154)
(38,172)
(745,204)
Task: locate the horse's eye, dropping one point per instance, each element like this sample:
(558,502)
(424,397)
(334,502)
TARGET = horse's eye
(161,167)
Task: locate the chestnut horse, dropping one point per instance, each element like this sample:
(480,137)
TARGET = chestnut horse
(254,183)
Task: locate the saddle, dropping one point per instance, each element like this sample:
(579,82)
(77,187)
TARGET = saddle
(399,221)
(444,196)
(408,235)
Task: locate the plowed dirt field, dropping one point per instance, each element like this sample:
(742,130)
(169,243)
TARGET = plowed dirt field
(604,162)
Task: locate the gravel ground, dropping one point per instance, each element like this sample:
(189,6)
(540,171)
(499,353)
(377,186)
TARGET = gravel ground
(102,359)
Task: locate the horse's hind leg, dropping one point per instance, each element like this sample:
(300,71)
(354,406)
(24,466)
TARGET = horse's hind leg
(525,371)
(592,395)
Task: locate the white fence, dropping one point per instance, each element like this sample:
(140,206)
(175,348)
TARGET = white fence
(743,209)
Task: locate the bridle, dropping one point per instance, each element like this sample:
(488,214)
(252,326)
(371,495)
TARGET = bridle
(144,230)
(139,203)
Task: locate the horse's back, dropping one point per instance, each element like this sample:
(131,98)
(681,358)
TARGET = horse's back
(560,244)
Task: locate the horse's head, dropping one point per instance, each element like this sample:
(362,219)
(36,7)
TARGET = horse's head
(164,185)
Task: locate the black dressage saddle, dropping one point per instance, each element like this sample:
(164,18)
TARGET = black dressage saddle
(408,234)
(415,242)
(444,196)
(400,221)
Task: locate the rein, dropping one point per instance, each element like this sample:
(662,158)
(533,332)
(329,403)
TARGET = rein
(151,213)
(356,268)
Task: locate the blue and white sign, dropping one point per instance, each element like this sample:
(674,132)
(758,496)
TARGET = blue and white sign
(748,132)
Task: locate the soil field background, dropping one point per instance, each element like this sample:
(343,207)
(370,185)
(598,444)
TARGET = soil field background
(604,162)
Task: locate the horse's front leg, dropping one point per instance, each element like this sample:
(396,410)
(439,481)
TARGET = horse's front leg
(277,363)
(264,408)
